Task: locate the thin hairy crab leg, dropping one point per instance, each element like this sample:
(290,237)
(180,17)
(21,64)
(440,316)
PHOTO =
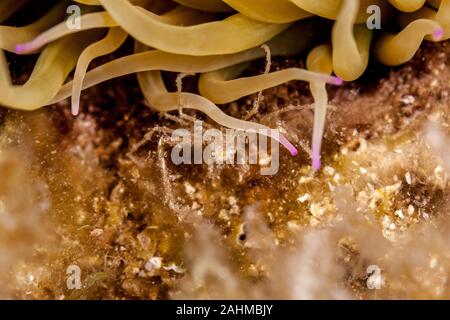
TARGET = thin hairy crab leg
(157,60)
(214,87)
(155,92)
(113,40)
(169,102)
(163,101)
(256,103)
(217,87)
(221,86)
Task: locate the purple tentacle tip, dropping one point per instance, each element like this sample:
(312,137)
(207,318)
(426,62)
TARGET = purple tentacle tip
(338,81)
(75,111)
(289,146)
(293,151)
(438,34)
(20,48)
(316,163)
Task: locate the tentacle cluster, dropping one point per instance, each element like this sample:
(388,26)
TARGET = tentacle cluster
(216,39)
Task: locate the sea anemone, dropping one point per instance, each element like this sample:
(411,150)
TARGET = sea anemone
(214,39)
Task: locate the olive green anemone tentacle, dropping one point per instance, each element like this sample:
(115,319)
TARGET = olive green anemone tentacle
(171,101)
(97,2)
(207,5)
(166,36)
(408,5)
(216,38)
(217,88)
(434,3)
(441,16)
(234,34)
(155,92)
(319,60)
(280,11)
(52,68)
(159,60)
(88,21)
(113,40)
(351,43)
(330,9)
(93,21)
(10,36)
(222,87)
(163,101)
(393,50)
